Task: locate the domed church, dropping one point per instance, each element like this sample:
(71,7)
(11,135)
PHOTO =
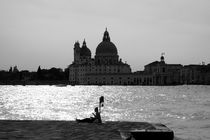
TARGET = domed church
(106,52)
(104,69)
(107,69)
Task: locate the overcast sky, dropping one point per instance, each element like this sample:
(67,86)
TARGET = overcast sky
(43,32)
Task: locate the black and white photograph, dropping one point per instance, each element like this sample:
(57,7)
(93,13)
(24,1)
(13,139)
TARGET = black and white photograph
(104,70)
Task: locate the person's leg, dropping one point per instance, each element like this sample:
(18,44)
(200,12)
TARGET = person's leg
(89,120)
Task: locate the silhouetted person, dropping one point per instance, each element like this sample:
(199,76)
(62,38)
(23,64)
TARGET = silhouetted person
(96,118)
(97,115)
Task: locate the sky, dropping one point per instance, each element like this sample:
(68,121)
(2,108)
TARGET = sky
(43,32)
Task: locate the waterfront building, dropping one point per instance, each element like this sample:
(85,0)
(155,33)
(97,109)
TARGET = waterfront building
(106,68)
(162,73)
(195,74)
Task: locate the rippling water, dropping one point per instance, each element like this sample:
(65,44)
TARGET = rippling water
(184,109)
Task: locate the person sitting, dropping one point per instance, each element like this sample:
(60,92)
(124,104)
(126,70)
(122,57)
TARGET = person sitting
(96,118)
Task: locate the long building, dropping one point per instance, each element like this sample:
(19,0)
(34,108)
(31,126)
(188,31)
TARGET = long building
(106,68)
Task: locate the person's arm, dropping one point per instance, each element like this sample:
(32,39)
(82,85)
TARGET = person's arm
(94,115)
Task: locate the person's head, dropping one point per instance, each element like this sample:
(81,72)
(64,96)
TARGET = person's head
(96,109)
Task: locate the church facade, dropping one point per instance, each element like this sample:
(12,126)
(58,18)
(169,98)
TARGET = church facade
(105,68)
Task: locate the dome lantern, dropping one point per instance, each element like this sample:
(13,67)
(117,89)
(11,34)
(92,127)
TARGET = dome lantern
(106,36)
(84,44)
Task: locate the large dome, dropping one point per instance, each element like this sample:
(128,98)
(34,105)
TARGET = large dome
(106,47)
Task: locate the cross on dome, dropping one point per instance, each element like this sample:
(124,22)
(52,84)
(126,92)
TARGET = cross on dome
(106,36)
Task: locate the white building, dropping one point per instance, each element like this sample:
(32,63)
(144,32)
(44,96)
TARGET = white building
(105,68)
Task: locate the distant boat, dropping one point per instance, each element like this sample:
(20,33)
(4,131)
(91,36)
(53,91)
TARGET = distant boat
(61,85)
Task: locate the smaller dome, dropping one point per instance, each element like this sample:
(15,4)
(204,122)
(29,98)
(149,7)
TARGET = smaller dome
(85,51)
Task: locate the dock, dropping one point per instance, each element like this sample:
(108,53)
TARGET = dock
(71,130)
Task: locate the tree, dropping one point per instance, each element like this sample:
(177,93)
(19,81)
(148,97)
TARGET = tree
(39,73)
(15,69)
(10,69)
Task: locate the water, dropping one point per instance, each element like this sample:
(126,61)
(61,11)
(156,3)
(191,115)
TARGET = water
(184,109)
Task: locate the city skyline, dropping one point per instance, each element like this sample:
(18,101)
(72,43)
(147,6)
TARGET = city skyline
(43,33)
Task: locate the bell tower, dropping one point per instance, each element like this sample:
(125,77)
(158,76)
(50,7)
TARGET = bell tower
(162,59)
(76,52)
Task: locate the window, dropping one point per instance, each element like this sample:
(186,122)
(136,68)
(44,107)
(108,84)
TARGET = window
(163,69)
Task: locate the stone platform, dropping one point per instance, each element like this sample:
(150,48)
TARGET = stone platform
(70,130)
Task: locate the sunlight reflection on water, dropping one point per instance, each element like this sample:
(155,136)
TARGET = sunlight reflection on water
(185,109)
